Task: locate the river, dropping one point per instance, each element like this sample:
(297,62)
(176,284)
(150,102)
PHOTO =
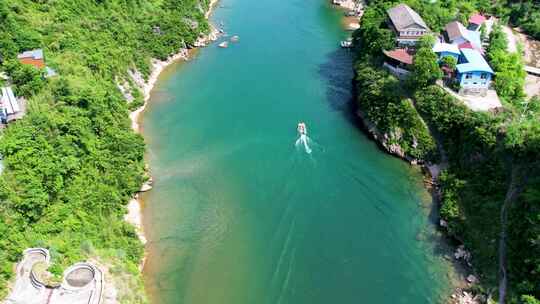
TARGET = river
(240,215)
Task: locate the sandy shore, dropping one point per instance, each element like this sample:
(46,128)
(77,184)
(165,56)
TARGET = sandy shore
(157,67)
(134,215)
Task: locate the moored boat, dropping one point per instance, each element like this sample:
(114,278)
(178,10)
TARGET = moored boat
(346,43)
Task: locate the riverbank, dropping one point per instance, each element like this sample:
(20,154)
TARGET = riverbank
(462,276)
(418,140)
(134,215)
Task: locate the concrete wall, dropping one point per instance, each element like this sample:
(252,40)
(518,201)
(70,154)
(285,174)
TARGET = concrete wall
(398,72)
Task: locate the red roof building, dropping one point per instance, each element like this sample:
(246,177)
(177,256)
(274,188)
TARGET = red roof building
(469,45)
(398,62)
(477,19)
(403,56)
(33,57)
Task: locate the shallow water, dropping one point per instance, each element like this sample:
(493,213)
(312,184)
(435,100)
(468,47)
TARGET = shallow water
(240,214)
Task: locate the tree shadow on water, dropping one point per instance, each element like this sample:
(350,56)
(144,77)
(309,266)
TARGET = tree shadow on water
(337,73)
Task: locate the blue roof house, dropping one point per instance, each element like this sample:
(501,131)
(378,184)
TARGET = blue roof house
(473,72)
(446,49)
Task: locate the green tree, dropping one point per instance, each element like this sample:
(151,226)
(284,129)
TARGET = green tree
(497,40)
(425,69)
(449,62)
(509,75)
(529,300)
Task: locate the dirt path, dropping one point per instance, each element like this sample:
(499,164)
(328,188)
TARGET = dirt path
(512,44)
(531,48)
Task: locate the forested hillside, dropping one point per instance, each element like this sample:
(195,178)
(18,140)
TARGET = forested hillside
(490,198)
(73,162)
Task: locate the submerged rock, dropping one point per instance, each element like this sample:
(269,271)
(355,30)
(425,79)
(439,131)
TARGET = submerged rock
(461,253)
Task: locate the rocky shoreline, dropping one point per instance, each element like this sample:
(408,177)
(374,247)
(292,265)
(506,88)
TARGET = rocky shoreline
(134,215)
(461,258)
(462,293)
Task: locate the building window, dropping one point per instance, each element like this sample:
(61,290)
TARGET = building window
(483,76)
(475,82)
(468,76)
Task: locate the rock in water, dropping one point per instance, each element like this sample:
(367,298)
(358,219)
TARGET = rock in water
(472,279)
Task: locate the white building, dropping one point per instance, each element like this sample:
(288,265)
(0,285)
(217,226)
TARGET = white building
(407,24)
(9,105)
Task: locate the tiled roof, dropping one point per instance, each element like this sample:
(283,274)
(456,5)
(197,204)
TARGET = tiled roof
(455,30)
(477,19)
(401,55)
(403,17)
(468,45)
(35,54)
(474,38)
(475,62)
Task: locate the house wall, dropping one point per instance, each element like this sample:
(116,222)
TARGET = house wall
(407,37)
(38,63)
(3,115)
(409,41)
(475,81)
(413,32)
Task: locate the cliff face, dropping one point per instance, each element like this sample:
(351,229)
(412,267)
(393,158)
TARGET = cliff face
(73,163)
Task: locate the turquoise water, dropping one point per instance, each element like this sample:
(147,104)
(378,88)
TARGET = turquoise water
(239,215)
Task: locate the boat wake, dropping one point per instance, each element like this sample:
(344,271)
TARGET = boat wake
(303,142)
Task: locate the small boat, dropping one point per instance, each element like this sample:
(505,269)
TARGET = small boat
(302,129)
(224,44)
(235,38)
(346,43)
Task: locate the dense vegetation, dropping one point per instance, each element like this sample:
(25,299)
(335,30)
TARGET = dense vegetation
(488,155)
(73,162)
(383,102)
(508,67)
(525,14)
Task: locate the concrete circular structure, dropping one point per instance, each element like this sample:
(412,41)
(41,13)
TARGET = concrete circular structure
(79,276)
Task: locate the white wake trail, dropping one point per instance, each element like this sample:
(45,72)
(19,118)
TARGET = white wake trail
(304,141)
